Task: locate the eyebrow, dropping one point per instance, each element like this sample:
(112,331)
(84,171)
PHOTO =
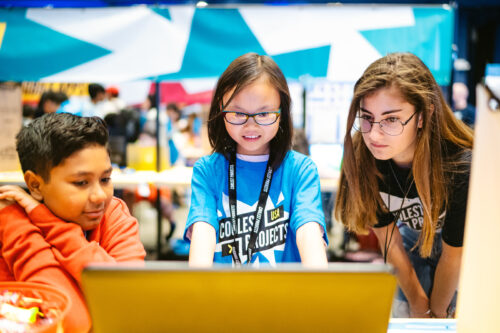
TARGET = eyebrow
(85,173)
(240,109)
(383,113)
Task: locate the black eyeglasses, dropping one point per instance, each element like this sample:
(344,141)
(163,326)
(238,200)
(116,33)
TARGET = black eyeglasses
(390,126)
(261,118)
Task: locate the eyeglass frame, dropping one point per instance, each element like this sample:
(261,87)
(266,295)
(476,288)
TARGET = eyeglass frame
(252,115)
(404,123)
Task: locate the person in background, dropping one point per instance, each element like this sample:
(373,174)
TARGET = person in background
(149,104)
(70,217)
(405,173)
(300,142)
(92,106)
(50,102)
(112,104)
(149,192)
(174,114)
(253,169)
(462,109)
(28,114)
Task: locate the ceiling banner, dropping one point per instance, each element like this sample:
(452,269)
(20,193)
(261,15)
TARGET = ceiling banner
(120,44)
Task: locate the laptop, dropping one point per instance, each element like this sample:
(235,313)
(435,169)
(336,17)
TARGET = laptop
(170,297)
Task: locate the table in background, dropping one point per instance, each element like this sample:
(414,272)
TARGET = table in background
(176,176)
(173,177)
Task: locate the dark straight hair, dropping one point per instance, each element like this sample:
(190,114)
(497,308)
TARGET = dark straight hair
(47,141)
(242,72)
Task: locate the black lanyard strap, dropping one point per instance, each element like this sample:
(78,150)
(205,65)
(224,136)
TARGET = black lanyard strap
(258,214)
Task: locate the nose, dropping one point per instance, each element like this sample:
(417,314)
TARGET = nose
(251,122)
(98,194)
(376,132)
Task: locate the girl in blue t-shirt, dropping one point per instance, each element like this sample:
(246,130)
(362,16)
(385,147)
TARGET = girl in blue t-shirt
(254,200)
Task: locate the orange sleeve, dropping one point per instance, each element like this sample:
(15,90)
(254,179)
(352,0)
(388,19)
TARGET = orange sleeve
(116,238)
(30,258)
(119,233)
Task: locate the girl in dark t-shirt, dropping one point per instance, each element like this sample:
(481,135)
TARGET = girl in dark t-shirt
(405,173)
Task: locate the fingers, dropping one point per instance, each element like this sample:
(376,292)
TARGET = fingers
(15,193)
(11,194)
(7,188)
(5,203)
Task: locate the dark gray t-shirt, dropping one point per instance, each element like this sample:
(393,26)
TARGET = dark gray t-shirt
(397,180)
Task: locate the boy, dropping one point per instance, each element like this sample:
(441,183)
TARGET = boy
(70,218)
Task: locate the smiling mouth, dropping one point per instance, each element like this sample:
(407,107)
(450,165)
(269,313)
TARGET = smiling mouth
(251,137)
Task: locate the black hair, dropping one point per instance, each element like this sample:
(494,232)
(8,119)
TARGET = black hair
(175,108)
(47,141)
(152,101)
(28,111)
(242,72)
(95,89)
(54,96)
(58,97)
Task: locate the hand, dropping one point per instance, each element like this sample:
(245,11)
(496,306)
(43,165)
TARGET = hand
(17,194)
(439,314)
(426,314)
(5,203)
(420,308)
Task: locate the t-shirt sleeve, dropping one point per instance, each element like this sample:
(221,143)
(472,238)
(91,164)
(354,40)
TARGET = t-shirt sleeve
(454,223)
(306,201)
(203,198)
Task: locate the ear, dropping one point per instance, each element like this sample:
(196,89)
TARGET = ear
(34,183)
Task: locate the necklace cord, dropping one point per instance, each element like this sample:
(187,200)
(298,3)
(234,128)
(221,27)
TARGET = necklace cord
(398,214)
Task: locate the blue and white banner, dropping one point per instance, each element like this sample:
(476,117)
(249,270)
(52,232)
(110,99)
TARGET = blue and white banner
(180,42)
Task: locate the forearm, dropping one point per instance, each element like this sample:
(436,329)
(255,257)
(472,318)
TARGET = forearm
(30,258)
(202,249)
(445,280)
(405,273)
(311,246)
(118,241)
(70,247)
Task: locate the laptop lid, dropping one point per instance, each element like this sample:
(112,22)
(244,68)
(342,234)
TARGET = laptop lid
(163,296)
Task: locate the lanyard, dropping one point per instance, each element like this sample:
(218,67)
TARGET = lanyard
(386,245)
(258,214)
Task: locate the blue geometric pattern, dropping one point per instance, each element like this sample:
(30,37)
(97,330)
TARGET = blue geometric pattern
(165,12)
(298,63)
(217,37)
(31,51)
(431,35)
(222,35)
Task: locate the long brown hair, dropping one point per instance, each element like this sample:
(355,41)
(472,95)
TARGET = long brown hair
(358,198)
(242,72)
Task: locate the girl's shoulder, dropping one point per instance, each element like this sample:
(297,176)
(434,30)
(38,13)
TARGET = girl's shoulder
(297,160)
(209,160)
(210,163)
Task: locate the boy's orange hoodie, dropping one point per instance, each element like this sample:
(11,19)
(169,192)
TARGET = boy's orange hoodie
(40,247)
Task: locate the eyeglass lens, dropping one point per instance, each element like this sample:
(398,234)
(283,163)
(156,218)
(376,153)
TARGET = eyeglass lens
(389,126)
(262,118)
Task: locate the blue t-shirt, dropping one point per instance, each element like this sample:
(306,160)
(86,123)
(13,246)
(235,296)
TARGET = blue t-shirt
(294,199)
